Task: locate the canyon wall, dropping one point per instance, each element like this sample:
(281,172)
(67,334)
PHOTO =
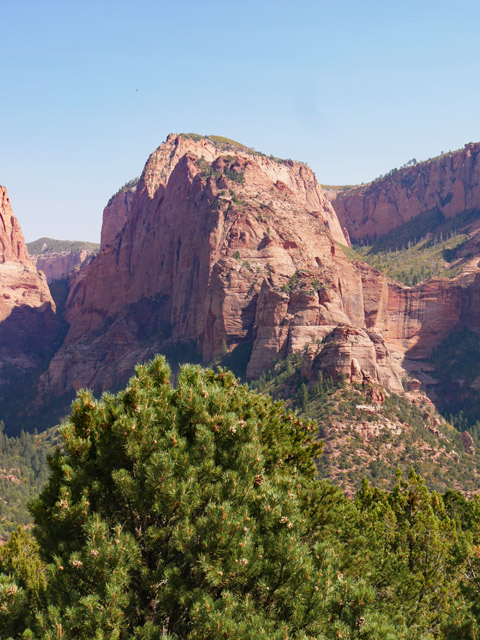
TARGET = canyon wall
(449,184)
(27,312)
(59,265)
(218,247)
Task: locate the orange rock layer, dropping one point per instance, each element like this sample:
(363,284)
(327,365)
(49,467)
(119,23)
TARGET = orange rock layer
(58,266)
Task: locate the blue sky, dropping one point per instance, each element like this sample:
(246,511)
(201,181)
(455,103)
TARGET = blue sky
(353,88)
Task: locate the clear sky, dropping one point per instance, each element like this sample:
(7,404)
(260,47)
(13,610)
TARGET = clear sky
(88,89)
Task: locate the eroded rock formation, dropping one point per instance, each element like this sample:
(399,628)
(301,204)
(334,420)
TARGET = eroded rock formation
(219,249)
(27,311)
(225,247)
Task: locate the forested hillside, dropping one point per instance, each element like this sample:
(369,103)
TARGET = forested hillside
(371,433)
(23,472)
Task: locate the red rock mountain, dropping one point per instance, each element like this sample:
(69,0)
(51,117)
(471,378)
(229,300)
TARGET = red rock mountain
(27,311)
(221,249)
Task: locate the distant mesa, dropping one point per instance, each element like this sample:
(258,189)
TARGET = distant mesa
(44,246)
(58,258)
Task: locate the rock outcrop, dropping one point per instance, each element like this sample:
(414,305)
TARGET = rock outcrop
(356,355)
(449,185)
(27,311)
(115,214)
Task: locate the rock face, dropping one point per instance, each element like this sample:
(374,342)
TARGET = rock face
(12,244)
(449,184)
(358,355)
(115,215)
(220,249)
(59,265)
(27,311)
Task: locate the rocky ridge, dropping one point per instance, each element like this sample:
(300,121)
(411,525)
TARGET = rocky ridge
(221,252)
(448,184)
(224,249)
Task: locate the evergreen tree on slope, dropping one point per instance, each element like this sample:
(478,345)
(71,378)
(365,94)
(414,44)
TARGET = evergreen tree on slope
(185,513)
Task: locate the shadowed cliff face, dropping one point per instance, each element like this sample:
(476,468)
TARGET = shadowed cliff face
(28,326)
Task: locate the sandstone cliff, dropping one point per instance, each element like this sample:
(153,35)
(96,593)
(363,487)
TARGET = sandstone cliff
(58,258)
(224,250)
(12,244)
(449,184)
(116,213)
(219,247)
(27,311)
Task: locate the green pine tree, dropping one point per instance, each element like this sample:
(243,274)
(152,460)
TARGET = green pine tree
(184,513)
(22,584)
(412,554)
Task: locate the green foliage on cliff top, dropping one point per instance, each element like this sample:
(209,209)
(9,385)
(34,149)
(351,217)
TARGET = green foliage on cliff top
(337,187)
(128,186)
(228,141)
(227,144)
